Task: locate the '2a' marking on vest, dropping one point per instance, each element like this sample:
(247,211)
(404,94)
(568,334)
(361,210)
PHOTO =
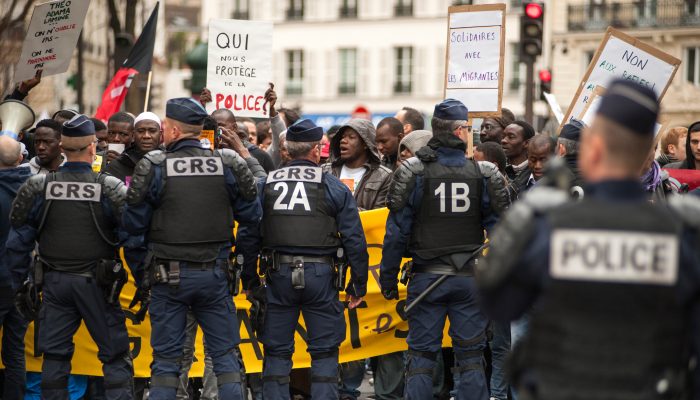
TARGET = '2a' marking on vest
(74,191)
(194,166)
(614,256)
(296,174)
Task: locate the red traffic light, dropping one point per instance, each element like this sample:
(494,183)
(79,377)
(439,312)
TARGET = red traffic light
(545,75)
(533,10)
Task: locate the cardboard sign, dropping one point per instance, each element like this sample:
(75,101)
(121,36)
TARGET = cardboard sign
(474,59)
(51,38)
(239,66)
(554,106)
(622,56)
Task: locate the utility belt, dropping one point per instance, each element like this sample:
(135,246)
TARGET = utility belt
(271,260)
(168,271)
(410,268)
(110,276)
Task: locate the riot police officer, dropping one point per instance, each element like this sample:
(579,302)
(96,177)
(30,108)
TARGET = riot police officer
(440,203)
(181,205)
(614,277)
(73,215)
(307,216)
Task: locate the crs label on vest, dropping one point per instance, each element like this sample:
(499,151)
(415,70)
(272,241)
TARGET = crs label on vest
(614,256)
(75,191)
(296,174)
(194,166)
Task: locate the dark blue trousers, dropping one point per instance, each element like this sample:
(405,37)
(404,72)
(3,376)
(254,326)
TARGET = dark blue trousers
(13,329)
(325,325)
(205,292)
(455,299)
(68,299)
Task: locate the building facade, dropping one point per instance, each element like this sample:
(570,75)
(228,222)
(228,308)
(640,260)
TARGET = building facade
(673,26)
(331,56)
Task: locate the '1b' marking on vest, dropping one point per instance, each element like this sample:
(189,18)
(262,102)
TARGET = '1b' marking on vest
(614,256)
(194,166)
(296,174)
(75,191)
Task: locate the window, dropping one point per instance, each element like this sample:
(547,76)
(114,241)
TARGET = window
(295,72)
(296,10)
(403,8)
(514,83)
(462,2)
(348,9)
(587,58)
(347,83)
(240,9)
(693,7)
(692,65)
(404,69)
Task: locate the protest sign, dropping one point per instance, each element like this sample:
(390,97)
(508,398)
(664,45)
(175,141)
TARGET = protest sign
(622,56)
(378,326)
(474,57)
(51,38)
(239,66)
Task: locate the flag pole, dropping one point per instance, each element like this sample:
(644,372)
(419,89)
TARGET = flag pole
(148,91)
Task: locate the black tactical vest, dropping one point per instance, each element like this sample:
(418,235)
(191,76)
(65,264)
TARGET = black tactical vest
(610,325)
(194,203)
(73,224)
(296,213)
(449,218)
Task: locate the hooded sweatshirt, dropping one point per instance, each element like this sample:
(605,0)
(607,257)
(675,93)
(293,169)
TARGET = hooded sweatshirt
(36,168)
(10,181)
(371,191)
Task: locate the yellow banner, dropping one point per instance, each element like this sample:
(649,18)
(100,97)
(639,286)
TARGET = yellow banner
(376,327)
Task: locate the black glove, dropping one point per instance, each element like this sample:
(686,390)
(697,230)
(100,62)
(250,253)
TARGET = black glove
(391,293)
(258,301)
(27,301)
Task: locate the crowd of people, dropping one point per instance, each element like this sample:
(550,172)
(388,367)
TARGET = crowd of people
(140,182)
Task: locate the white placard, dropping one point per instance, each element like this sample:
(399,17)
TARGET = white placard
(622,56)
(475,46)
(554,106)
(51,38)
(239,66)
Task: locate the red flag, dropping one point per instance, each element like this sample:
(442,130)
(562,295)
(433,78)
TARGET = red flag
(689,176)
(114,95)
(139,60)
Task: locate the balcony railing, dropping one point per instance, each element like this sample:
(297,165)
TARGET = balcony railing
(634,15)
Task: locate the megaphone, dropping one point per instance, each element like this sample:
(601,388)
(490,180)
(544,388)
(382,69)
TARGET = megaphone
(15,116)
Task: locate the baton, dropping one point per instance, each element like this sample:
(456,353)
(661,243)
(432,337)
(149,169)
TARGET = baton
(439,282)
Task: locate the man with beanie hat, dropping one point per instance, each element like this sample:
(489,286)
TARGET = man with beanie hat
(568,147)
(185,228)
(73,216)
(308,215)
(146,137)
(611,274)
(439,205)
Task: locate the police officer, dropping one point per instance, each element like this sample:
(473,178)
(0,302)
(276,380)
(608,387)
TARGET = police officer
(73,215)
(439,203)
(307,216)
(181,205)
(614,277)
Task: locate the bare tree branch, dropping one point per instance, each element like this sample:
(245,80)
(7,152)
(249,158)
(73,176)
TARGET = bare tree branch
(114,22)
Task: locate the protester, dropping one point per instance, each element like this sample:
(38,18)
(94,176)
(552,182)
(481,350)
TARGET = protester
(101,134)
(692,150)
(226,119)
(120,130)
(568,147)
(493,153)
(252,129)
(411,119)
(539,151)
(359,164)
(515,139)
(146,137)
(288,115)
(672,146)
(492,128)
(389,134)
(655,180)
(22,89)
(264,140)
(410,144)
(14,326)
(62,116)
(47,144)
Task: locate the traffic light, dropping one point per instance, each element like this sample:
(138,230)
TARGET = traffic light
(531,30)
(545,83)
